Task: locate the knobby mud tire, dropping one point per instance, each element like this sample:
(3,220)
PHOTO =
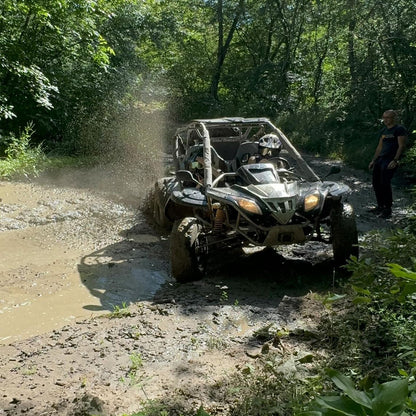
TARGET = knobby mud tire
(188,263)
(159,216)
(344,233)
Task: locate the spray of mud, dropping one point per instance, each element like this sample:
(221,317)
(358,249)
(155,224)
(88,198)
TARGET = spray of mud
(130,151)
(68,250)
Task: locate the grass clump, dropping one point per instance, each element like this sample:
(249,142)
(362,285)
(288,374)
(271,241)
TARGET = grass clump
(155,408)
(21,158)
(122,311)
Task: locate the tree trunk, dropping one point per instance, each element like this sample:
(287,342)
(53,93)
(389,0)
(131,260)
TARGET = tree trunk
(352,63)
(223,47)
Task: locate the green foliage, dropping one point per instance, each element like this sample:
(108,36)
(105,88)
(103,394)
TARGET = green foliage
(386,399)
(377,276)
(154,408)
(323,70)
(372,330)
(120,311)
(376,336)
(57,63)
(274,385)
(136,362)
(406,282)
(21,158)
(134,377)
(409,160)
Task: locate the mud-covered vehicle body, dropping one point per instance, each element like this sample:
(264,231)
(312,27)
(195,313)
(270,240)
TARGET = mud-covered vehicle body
(221,195)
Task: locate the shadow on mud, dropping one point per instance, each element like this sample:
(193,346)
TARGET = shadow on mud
(258,280)
(137,269)
(129,271)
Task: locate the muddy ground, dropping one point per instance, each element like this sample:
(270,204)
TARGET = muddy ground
(91,323)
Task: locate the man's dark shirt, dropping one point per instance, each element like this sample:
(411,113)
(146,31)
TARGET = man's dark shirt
(390,141)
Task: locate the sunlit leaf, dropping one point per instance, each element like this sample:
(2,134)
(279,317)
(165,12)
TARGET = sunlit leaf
(361,299)
(402,272)
(361,290)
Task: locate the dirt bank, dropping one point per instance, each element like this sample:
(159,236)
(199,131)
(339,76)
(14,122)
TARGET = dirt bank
(71,256)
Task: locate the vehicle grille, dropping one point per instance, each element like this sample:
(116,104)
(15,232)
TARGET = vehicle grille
(282,209)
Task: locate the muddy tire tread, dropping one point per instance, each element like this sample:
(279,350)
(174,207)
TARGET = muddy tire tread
(184,264)
(344,233)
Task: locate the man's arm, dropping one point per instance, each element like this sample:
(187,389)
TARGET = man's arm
(402,145)
(376,153)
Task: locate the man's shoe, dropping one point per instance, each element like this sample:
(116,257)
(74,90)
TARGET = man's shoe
(375,210)
(386,213)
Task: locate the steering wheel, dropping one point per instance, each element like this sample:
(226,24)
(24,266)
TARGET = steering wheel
(280,162)
(244,158)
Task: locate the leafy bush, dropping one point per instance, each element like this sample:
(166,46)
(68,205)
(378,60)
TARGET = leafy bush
(390,398)
(377,277)
(21,158)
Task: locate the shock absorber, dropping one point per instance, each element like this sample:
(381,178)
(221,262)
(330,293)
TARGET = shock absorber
(219,219)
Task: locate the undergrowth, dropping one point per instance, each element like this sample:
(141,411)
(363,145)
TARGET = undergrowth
(372,336)
(21,158)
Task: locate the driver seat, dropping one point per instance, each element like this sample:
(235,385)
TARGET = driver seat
(244,152)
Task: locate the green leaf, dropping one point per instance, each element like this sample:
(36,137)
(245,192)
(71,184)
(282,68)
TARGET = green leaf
(333,298)
(395,289)
(341,405)
(390,397)
(202,412)
(409,289)
(361,290)
(347,386)
(403,372)
(361,299)
(402,272)
(308,358)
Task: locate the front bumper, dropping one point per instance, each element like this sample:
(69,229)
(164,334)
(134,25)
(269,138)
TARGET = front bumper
(284,234)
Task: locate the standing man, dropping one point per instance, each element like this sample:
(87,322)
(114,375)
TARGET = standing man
(391,145)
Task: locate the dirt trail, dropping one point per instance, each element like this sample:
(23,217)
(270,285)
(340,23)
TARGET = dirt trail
(70,255)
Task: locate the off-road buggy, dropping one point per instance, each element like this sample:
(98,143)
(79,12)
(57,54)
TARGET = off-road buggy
(239,182)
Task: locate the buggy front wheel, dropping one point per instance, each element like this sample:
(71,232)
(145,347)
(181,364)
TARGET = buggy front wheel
(188,250)
(159,217)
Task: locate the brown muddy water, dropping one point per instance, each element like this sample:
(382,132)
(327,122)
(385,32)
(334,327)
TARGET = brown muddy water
(67,254)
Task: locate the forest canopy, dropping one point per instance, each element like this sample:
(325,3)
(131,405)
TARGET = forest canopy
(323,70)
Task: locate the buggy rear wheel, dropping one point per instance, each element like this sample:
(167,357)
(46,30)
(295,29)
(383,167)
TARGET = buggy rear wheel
(344,233)
(188,250)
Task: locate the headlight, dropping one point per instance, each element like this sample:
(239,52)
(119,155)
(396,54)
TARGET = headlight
(248,205)
(311,202)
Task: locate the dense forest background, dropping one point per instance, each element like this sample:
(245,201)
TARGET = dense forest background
(75,71)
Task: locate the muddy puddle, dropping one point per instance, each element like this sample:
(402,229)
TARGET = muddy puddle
(66,255)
